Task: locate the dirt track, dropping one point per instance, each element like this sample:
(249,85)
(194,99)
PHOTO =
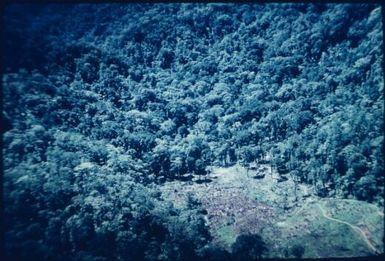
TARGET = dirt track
(355,228)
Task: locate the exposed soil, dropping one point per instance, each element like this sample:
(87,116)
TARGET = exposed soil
(282,212)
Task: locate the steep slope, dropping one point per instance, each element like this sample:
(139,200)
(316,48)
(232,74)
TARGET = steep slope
(103,104)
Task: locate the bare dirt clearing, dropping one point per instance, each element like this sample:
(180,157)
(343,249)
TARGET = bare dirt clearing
(284,214)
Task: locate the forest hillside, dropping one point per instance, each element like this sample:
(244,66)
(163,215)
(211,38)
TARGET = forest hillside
(106,105)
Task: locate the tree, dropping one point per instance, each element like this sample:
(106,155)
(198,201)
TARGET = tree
(297,251)
(365,188)
(248,247)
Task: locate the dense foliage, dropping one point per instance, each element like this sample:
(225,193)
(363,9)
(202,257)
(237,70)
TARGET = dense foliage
(104,102)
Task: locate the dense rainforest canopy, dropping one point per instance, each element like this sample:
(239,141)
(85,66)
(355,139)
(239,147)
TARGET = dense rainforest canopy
(104,102)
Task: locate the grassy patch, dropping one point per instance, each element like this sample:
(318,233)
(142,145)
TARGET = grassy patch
(238,204)
(226,234)
(320,236)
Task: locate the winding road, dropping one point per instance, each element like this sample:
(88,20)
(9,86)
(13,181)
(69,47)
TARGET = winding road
(355,228)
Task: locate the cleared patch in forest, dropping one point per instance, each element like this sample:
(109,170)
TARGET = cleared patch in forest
(285,214)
